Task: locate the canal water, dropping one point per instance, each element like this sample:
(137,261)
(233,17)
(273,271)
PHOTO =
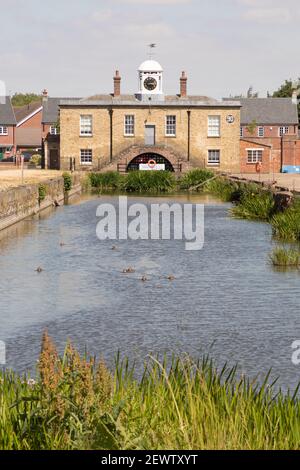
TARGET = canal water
(225,301)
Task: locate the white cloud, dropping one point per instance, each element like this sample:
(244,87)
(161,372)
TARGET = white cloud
(156,2)
(268,15)
(101,16)
(270,11)
(158,30)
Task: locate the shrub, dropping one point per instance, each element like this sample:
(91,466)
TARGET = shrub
(224,189)
(108,180)
(150,182)
(42,192)
(36,159)
(67,182)
(195,177)
(283,257)
(254,206)
(286,225)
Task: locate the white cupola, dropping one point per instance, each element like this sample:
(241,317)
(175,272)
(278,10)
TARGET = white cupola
(150,75)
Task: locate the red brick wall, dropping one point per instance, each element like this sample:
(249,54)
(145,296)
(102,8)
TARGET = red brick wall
(251,167)
(8,140)
(291,150)
(270,131)
(34,122)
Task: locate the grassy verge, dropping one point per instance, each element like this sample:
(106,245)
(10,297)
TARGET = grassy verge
(254,205)
(77,403)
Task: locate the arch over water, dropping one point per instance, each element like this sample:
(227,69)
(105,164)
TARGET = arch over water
(144,158)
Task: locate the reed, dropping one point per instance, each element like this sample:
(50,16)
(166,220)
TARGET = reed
(226,190)
(195,177)
(77,403)
(150,182)
(285,257)
(105,181)
(286,225)
(258,205)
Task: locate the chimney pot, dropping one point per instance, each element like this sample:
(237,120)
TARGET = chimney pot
(117,84)
(45,95)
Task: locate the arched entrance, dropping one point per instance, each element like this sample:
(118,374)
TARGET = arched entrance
(146,160)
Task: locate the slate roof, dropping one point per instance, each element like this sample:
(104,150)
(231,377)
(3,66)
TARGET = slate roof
(24,111)
(132,100)
(7,116)
(51,109)
(268,111)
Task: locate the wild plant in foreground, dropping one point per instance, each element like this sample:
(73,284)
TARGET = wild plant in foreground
(77,403)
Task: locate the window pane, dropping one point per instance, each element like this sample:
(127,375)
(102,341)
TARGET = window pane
(214,157)
(86,125)
(214,123)
(86,156)
(171,125)
(129,125)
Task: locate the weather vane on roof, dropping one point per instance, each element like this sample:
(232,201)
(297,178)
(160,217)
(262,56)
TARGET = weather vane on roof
(151,46)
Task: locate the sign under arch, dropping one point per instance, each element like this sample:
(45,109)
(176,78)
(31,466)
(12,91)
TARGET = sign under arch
(150,162)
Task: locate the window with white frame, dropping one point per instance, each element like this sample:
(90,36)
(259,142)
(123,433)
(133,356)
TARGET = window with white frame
(283,130)
(54,130)
(255,155)
(214,126)
(129,125)
(171,126)
(241,131)
(213,157)
(3,130)
(261,131)
(86,156)
(86,124)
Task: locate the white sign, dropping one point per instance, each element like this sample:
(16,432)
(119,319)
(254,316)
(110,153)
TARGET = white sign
(156,167)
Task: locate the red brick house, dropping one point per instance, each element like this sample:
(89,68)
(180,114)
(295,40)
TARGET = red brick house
(7,128)
(269,134)
(29,128)
(51,131)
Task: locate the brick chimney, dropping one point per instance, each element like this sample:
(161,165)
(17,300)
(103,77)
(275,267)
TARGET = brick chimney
(45,95)
(117,84)
(183,85)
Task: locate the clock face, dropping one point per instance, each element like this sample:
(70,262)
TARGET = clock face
(150,83)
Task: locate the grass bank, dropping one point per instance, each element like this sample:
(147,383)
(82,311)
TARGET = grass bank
(77,403)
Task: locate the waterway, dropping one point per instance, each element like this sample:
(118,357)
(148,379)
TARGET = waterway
(226,300)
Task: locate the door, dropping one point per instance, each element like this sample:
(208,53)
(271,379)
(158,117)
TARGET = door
(54,160)
(1,153)
(149,135)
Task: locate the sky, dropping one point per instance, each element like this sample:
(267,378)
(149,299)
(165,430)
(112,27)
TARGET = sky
(73,47)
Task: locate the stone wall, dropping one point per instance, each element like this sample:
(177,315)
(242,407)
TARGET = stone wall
(23,201)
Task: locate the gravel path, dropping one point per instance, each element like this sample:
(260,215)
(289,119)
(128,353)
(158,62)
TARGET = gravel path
(12,178)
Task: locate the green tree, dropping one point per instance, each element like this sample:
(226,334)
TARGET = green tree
(22,99)
(286,91)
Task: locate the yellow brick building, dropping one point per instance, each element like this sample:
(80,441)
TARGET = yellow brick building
(149,130)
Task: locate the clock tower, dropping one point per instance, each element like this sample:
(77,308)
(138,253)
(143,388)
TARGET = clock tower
(150,75)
